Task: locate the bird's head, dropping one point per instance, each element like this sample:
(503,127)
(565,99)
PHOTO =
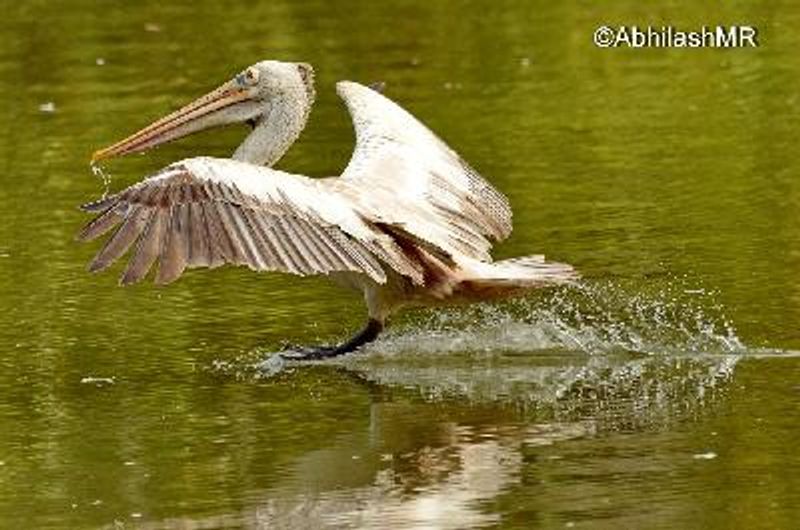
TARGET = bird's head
(246,98)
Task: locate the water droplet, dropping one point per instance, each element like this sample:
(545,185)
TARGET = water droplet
(98,381)
(97,170)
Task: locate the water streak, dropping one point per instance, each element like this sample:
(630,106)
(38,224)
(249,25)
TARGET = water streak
(98,171)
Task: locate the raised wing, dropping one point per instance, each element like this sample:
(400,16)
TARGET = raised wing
(206,212)
(402,174)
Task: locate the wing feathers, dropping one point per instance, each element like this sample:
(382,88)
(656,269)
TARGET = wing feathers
(268,253)
(285,263)
(290,238)
(174,251)
(402,173)
(203,213)
(100,225)
(206,212)
(199,251)
(121,241)
(147,249)
(223,246)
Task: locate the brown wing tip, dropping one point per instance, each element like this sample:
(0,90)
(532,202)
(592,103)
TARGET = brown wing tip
(166,275)
(100,205)
(129,278)
(96,266)
(98,226)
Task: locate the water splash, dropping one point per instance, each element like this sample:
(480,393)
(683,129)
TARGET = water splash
(598,319)
(617,355)
(623,355)
(594,318)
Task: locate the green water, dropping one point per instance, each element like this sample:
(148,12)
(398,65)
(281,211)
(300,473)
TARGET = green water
(662,393)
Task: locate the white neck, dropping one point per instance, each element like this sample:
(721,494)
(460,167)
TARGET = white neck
(276,130)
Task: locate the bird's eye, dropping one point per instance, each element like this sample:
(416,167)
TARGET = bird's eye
(251,76)
(248,78)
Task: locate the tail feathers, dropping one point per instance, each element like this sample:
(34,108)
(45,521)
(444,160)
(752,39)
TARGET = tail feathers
(513,276)
(532,269)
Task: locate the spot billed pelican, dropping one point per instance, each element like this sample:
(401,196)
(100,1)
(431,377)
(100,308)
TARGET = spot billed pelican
(408,222)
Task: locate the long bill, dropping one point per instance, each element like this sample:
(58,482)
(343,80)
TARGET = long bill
(198,115)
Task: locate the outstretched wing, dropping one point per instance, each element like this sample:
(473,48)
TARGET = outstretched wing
(401,173)
(206,212)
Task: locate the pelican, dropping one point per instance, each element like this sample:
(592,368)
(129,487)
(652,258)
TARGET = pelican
(408,222)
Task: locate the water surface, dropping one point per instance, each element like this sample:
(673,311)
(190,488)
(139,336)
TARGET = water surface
(662,392)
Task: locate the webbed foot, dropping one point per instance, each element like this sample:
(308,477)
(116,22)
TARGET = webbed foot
(366,335)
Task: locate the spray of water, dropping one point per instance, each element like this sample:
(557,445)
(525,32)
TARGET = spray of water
(600,319)
(619,355)
(593,318)
(98,171)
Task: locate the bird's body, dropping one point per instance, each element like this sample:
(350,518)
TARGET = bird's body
(408,222)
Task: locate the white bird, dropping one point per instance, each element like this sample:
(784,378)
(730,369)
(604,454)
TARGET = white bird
(408,222)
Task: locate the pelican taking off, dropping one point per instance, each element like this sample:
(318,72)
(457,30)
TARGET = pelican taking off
(408,222)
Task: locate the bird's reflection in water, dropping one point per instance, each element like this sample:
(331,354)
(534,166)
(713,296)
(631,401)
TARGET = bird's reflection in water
(448,436)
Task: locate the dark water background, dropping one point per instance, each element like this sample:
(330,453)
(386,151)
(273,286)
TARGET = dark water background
(663,392)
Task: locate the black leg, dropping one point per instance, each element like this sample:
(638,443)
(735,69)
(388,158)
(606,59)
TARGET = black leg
(366,335)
